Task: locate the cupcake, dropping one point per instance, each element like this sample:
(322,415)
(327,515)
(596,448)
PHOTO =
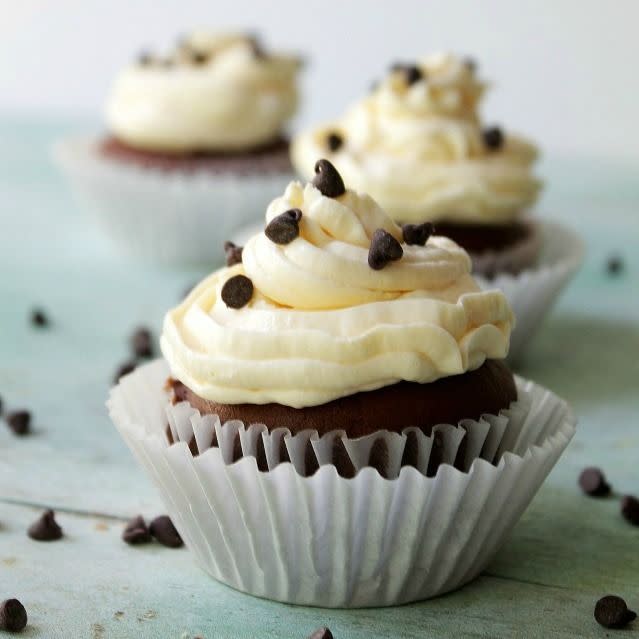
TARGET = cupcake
(336,404)
(417,145)
(196,142)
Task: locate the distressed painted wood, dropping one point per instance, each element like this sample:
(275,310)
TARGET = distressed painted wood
(566,552)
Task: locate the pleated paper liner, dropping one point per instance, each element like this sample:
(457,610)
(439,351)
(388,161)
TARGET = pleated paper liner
(327,540)
(164,217)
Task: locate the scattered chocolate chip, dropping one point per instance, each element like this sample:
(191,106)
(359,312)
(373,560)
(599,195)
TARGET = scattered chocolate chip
(412,73)
(384,249)
(334,141)
(142,342)
(233,253)
(124,369)
(285,227)
(328,180)
(46,528)
(614,265)
(39,318)
(19,422)
(471,64)
(13,616)
(164,531)
(417,234)
(237,291)
(322,633)
(136,532)
(611,612)
(493,137)
(593,482)
(630,509)
(145,59)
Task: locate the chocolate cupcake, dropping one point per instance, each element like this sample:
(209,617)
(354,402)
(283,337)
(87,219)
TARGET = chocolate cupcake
(337,393)
(416,144)
(196,138)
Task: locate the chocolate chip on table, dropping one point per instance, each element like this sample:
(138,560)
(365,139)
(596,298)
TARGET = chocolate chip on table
(124,369)
(322,633)
(384,248)
(284,228)
(19,422)
(612,612)
(13,616)
(237,291)
(614,265)
(136,532)
(593,482)
(233,253)
(334,141)
(328,180)
(142,342)
(417,234)
(493,138)
(630,509)
(45,528)
(39,318)
(164,531)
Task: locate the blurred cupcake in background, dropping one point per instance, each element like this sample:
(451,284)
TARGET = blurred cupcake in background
(417,145)
(196,142)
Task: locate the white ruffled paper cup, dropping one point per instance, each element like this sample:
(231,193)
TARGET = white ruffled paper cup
(164,217)
(324,540)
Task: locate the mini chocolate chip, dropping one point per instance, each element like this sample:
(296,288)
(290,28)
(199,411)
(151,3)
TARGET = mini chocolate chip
(593,482)
(471,64)
(233,253)
(164,531)
(384,249)
(614,265)
(145,58)
(19,422)
(124,369)
(412,73)
(322,633)
(45,528)
(142,342)
(256,46)
(493,137)
(13,616)
(285,227)
(612,612)
(630,509)
(136,532)
(199,57)
(39,318)
(328,180)
(237,291)
(334,141)
(417,233)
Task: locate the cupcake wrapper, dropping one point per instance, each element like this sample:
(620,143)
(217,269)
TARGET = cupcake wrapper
(167,217)
(325,540)
(532,292)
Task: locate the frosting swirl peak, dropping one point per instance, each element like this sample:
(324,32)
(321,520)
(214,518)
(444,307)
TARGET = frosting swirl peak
(322,324)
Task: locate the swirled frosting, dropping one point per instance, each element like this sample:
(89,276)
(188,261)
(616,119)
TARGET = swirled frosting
(322,324)
(418,148)
(214,93)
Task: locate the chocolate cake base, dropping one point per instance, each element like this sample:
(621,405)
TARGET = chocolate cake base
(488,389)
(266,159)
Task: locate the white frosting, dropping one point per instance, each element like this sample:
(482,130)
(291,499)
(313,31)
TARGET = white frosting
(419,151)
(322,324)
(235,100)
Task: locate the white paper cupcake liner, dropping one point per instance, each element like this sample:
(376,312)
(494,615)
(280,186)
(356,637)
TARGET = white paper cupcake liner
(159,216)
(325,540)
(532,292)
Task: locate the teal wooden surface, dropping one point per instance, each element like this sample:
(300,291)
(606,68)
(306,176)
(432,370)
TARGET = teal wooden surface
(566,552)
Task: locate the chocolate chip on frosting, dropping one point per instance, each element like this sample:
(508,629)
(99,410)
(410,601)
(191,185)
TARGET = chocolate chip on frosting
(199,57)
(412,73)
(493,138)
(384,248)
(334,141)
(328,180)
(285,227)
(417,234)
(233,253)
(237,291)
(145,59)
(471,64)
(256,46)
